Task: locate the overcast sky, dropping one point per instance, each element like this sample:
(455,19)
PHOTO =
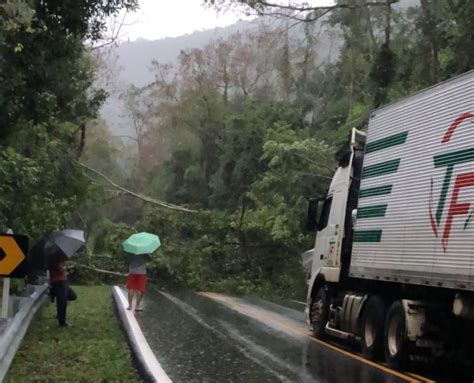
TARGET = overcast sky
(157,19)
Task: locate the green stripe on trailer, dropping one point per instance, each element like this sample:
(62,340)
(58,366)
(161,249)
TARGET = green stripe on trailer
(376,191)
(381,169)
(459,157)
(387,142)
(371,211)
(367,235)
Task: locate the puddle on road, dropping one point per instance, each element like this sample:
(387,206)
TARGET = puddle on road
(197,339)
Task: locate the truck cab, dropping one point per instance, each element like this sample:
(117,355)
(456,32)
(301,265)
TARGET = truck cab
(333,217)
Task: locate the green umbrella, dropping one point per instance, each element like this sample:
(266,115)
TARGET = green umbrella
(141,243)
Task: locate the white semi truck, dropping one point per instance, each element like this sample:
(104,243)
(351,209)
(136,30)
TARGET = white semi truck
(393,261)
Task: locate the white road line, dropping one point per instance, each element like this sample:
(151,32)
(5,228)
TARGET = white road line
(147,356)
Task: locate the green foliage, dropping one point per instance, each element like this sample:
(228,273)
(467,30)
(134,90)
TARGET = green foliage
(251,245)
(458,51)
(241,162)
(243,130)
(297,169)
(33,196)
(246,139)
(46,103)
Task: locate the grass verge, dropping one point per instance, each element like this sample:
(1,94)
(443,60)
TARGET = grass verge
(92,349)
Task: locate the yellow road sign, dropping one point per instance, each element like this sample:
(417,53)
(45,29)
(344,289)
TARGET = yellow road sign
(11,255)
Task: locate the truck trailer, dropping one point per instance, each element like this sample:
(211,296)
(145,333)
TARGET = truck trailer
(393,261)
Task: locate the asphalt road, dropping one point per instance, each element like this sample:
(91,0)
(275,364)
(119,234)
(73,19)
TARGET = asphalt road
(209,337)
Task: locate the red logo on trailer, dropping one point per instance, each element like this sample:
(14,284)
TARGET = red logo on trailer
(461,181)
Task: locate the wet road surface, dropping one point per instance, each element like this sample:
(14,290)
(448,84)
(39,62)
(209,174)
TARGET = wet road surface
(216,338)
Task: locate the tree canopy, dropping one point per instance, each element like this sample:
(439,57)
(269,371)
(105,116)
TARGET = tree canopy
(246,129)
(46,100)
(242,131)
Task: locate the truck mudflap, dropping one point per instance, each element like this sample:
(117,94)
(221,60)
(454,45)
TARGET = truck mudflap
(415,313)
(420,327)
(425,333)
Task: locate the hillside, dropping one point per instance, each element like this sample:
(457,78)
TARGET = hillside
(133,60)
(135,57)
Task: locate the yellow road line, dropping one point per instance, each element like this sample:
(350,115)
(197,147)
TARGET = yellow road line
(421,378)
(278,323)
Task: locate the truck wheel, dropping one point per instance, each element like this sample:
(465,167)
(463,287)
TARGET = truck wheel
(396,343)
(319,312)
(372,328)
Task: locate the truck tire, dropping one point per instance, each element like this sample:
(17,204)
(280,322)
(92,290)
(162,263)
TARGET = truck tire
(396,343)
(319,312)
(372,328)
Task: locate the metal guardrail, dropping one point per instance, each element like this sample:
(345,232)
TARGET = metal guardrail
(15,327)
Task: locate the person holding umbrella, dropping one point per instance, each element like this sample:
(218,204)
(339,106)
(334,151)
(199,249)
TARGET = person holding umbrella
(52,253)
(136,279)
(61,291)
(139,247)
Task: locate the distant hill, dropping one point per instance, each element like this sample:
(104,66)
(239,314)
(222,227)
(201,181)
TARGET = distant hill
(134,58)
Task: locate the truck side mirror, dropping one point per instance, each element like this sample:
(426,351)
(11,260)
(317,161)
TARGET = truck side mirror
(311,220)
(354,218)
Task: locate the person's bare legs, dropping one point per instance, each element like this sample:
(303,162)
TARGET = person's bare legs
(139,301)
(130,299)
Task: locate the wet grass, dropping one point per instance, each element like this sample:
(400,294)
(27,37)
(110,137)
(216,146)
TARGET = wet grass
(92,349)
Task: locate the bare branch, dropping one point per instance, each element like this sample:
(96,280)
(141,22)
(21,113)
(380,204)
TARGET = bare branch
(99,270)
(102,271)
(136,195)
(116,29)
(84,225)
(313,13)
(294,17)
(306,8)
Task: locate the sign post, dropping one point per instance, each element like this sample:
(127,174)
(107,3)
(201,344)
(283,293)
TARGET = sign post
(13,253)
(5,297)
(6,291)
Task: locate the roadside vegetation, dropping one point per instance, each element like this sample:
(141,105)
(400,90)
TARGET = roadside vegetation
(229,141)
(246,129)
(92,349)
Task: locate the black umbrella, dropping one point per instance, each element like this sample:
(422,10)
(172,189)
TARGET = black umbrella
(57,247)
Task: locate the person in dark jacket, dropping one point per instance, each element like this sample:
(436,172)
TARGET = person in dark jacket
(60,290)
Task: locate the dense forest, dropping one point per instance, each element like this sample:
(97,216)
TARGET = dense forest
(229,143)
